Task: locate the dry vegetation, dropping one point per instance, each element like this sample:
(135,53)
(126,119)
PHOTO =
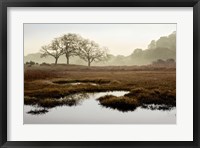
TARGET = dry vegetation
(46,84)
(140,97)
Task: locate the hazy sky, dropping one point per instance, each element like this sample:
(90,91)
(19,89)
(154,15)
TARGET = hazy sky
(119,38)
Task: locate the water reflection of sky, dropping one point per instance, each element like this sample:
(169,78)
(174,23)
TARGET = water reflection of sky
(89,112)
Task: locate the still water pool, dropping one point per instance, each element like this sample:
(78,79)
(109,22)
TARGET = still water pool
(89,111)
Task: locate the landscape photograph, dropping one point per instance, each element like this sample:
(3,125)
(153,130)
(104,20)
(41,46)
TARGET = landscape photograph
(99,73)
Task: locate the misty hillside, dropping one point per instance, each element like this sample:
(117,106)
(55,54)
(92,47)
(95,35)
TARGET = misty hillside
(163,48)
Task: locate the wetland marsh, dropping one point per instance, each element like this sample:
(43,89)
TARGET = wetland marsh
(63,94)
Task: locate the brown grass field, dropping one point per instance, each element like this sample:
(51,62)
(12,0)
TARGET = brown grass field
(45,84)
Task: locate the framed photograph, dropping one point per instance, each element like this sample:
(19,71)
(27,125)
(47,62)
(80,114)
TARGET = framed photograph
(99,74)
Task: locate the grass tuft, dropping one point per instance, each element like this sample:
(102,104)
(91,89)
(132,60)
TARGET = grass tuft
(156,96)
(120,103)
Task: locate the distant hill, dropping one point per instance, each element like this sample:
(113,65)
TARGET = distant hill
(164,48)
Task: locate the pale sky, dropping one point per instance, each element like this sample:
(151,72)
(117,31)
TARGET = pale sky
(120,39)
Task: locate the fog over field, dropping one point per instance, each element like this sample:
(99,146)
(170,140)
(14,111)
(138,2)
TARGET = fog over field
(127,44)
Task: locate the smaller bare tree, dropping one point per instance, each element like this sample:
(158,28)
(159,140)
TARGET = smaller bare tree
(52,49)
(90,52)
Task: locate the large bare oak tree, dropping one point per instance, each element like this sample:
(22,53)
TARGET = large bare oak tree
(69,44)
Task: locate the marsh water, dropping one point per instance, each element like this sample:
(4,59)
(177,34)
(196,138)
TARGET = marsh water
(89,111)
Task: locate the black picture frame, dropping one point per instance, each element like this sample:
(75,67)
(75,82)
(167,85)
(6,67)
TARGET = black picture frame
(4,4)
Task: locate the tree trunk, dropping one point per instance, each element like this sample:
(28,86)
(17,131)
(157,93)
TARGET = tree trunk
(56,61)
(89,63)
(67,57)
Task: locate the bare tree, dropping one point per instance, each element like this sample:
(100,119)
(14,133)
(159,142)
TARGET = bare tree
(52,49)
(90,51)
(69,44)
